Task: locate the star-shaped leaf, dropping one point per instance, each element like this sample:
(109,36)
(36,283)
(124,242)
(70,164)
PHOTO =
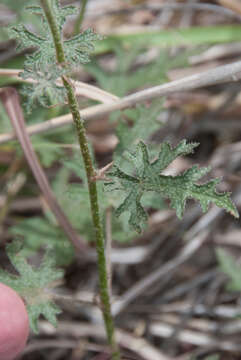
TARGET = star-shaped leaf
(41,65)
(45,91)
(45,51)
(77,49)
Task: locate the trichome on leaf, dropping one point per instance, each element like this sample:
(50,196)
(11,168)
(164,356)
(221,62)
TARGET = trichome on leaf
(147,177)
(41,66)
(33,284)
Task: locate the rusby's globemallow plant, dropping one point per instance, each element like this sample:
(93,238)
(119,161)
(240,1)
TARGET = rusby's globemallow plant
(55,58)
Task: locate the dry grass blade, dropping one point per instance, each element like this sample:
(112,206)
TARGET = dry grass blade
(229,72)
(138,345)
(142,285)
(10,99)
(81,88)
(234,5)
(193,337)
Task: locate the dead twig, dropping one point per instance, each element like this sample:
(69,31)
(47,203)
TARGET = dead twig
(13,187)
(193,337)
(233,5)
(138,345)
(11,102)
(172,265)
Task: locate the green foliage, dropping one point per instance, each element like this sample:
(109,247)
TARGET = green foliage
(73,197)
(77,49)
(209,357)
(33,284)
(231,268)
(137,124)
(50,146)
(48,151)
(127,76)
(178,189)
(41,65)
(170,38)
(145,123)
(59,13)
(16,6)
(120,80)
(212,357)
(5,125)
(37,232)
(45,91)
(19,15)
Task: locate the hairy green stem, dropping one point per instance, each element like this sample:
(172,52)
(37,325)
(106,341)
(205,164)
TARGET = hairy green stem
(80,18)
(90,172)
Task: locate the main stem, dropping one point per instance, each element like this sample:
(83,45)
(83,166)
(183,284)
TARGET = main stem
(90,172)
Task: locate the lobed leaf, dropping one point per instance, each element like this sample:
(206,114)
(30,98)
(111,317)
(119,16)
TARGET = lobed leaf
(178,189)
(25,37)
(45,91)
(33,284)
(141,129)
(78,48)
(41,65)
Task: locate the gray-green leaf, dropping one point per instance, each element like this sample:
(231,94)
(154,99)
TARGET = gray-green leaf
(147,177)
(33,284)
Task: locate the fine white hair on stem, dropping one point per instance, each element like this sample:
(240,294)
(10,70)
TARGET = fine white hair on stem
(108,245)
